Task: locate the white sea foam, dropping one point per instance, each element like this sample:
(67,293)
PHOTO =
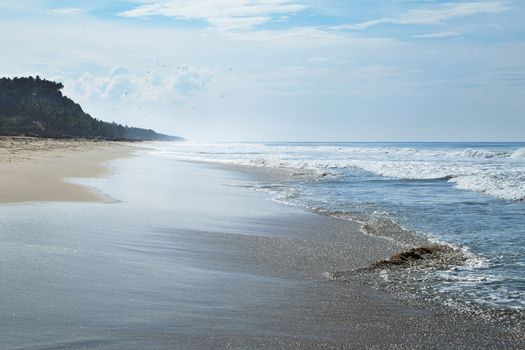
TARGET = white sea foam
(505,185)
(479,153)
(499,173)
(519,153)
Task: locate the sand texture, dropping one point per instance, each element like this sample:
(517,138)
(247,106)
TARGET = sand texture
(33,169)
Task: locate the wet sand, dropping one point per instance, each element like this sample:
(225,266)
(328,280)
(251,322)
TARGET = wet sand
(189,259)
(33,169)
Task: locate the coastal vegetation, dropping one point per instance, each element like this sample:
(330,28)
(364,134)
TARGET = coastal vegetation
(36,107)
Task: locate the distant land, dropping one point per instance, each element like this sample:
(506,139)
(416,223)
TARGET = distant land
(36,107)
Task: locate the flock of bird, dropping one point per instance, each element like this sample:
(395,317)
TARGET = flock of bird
(157,59)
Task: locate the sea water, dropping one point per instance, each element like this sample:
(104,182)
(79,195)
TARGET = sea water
(468,195)
(143,272)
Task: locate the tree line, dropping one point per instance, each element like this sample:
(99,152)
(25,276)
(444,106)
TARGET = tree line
(36,107)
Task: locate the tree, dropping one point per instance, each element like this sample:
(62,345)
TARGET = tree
(35,106)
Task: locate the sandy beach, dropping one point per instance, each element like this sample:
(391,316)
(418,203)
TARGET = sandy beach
(190,259)
(262,175)
(33,169)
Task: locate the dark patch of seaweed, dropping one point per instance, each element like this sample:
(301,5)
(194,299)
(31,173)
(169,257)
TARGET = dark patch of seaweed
(437,256)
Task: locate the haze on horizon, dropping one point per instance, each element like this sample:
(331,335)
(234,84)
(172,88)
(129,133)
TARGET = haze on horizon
(278,70)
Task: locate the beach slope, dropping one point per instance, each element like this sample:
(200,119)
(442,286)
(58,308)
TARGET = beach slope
(33,169)
(190,259)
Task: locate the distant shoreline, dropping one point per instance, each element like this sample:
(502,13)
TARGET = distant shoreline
(37,107)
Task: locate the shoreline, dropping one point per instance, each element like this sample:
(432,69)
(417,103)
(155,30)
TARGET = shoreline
(40,170)
(399,278)
(204,264)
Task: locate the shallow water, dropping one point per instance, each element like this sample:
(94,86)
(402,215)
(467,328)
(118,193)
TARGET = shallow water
(470,195)
(82,275)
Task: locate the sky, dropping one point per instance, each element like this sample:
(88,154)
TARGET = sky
(282,70)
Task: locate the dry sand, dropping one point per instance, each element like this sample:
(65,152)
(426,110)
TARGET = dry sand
(33,169)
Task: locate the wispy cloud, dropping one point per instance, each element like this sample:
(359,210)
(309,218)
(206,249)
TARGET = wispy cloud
(223,14)
(436,15)
(227,23)
(294,37)
(439,35)
(67,11)
(306,37)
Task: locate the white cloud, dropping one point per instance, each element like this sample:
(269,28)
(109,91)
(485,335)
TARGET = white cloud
(436,15)
(227,23)
(121,83)
(305,37)
(224,14)
(439,35)
(335,75)
(318,59)
(67,11)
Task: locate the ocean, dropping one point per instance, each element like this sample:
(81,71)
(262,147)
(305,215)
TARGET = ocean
(469,196)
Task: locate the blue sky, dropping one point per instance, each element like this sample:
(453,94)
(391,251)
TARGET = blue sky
(278,70)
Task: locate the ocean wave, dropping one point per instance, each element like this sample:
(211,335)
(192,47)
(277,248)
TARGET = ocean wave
(519,153)
(509,186)
(339,151)
(481,153)
(497,173)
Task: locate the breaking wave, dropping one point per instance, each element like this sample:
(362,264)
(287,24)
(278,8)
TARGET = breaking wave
(499,173)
